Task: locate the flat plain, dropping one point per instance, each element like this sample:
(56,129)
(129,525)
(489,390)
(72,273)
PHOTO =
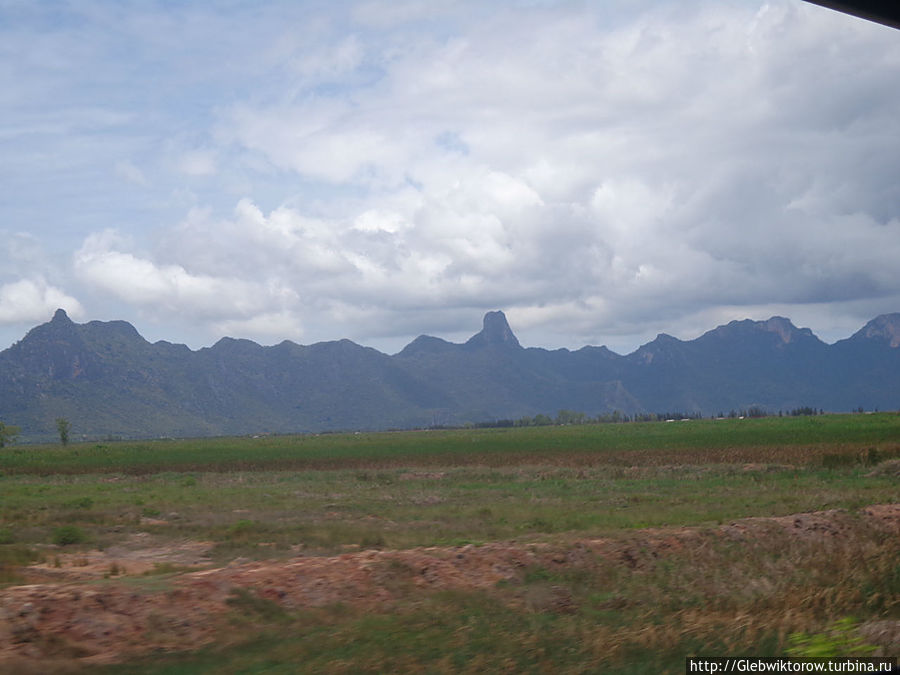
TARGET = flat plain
(586,548)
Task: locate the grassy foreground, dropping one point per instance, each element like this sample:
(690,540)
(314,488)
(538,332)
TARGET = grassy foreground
(272,497)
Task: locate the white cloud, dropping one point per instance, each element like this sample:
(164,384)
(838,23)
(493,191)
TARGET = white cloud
(636,167)
(32,300)
(375,220)
(266,327)
(313,139)
(330,62)
(168,287)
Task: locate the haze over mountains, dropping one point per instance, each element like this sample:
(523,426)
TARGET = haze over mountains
(108,381)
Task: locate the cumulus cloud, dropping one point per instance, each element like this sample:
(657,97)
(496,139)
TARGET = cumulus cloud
(168,287)
(278,326)
(32,300)
(630,171)
(681,160)
(31,289)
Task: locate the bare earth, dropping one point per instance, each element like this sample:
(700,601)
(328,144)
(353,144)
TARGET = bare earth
(72,612)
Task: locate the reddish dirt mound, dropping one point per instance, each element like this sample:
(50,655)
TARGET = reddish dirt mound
(108,621)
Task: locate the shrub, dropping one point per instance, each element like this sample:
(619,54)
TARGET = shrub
(67,535)
(243,530)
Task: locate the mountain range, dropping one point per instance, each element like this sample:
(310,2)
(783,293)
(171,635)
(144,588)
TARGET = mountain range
(108,381)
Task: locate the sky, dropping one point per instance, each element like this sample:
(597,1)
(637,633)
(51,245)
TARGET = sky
(375,170)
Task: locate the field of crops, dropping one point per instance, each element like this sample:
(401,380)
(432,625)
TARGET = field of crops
(695,441)
(574,549)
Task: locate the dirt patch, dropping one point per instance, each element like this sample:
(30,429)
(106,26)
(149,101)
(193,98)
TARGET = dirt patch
(139,554)
(114,619)
(821,525)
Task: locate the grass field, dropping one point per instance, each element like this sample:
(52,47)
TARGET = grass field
(273,498)
(696,441)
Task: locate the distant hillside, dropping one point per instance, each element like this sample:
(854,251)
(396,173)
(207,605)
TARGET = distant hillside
(108,381)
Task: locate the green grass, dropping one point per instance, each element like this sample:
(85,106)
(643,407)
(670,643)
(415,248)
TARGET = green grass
(276,496)
(400,508)
(698,441)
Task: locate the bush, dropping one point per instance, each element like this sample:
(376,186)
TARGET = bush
(67,535)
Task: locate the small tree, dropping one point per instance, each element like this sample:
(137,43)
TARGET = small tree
(8,434)
(62,426)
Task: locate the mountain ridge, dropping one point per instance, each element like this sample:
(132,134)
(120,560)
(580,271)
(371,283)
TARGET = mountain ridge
(109,381)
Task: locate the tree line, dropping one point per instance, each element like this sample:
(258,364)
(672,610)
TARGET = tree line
(9,433)
(564,417)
